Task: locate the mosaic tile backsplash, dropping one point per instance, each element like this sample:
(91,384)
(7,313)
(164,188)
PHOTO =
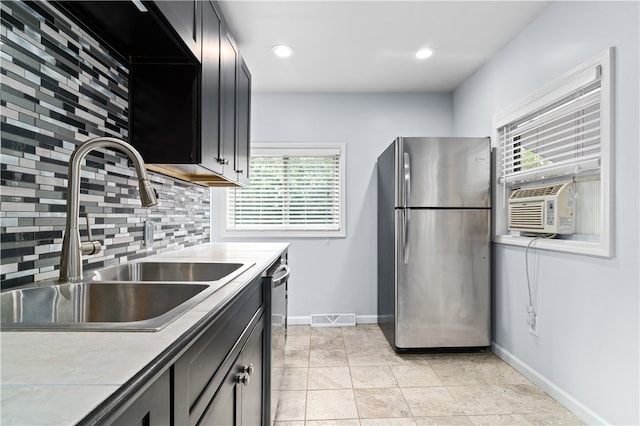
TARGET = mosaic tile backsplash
(60,87)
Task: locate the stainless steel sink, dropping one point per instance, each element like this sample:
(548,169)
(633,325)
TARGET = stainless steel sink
(169,271)
(130,297)
(98,306)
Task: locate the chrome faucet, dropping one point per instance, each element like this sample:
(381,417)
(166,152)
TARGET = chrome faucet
(72,248)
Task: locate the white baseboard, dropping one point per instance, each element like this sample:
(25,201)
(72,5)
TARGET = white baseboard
(306,320)
(366,319)
(572,404)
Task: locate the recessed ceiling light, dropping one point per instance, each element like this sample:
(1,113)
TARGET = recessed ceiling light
(282,51)
(424,53)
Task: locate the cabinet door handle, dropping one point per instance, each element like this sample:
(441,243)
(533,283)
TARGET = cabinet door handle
(249,369)
(243,378)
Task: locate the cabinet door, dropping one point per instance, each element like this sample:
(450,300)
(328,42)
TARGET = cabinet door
(228,78)
(225,405)
(185,18)
(210,118)
(243,94)
(240,398)
(203,367)
(152,408)
(253,387)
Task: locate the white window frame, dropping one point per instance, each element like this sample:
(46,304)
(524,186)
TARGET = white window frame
(294,149)
(547,95)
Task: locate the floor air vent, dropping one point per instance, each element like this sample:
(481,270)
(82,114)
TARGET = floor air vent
(333,320)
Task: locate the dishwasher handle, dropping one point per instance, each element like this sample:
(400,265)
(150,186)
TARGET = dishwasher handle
(283,278)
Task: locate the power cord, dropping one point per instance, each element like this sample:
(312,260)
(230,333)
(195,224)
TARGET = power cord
(531,311)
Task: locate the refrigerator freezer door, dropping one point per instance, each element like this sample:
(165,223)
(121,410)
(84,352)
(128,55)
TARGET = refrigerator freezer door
(443,172)
(443,278)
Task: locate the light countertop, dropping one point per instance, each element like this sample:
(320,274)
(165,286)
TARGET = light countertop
(57,378)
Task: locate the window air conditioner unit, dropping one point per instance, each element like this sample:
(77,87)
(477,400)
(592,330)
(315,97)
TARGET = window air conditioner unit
(543,210)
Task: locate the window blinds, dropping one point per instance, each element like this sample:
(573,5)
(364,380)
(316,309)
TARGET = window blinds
(562,138)
(298,191)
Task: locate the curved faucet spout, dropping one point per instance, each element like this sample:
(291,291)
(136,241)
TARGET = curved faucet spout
(72,249)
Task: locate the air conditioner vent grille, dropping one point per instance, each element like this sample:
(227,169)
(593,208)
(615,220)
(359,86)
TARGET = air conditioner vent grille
(536,192)
(526,216)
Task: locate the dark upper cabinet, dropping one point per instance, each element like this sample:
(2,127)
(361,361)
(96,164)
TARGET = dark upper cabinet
(220,156)
(189,90)
(235,110)
(210,96)
(163,106)
(243,124)
(184,17)
(129,32)
(228,84)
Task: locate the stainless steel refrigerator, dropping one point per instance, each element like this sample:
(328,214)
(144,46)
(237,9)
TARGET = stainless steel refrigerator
(434,244)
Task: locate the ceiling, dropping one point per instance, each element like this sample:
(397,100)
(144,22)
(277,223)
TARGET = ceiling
(369,46)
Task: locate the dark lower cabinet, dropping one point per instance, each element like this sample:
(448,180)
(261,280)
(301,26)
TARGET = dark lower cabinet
(219,380)
(252,383)
(152,408)
(222,408)
(218,375)
(238,400)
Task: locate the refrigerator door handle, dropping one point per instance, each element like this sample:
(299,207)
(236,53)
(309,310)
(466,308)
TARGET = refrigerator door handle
(407,178)
(406,218)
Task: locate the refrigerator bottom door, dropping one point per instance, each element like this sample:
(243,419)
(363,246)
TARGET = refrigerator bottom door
(443,291)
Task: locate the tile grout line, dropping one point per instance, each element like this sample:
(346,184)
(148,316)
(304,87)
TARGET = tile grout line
(473,365)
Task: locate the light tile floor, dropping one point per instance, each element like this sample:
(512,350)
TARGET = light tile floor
(350,376)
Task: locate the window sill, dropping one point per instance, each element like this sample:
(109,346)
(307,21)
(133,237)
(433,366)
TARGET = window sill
(588,248)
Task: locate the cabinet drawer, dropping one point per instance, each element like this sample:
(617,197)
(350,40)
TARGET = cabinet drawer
(198,371)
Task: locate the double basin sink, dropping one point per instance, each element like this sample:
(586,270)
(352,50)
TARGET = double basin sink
(143,296)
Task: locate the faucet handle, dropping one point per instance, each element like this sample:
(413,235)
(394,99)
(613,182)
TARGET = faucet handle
(91,246)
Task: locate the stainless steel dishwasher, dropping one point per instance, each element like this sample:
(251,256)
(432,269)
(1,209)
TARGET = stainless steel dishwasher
(277,279)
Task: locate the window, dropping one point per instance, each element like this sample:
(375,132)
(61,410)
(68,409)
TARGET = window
(561,133)
(295,190)
(561,139)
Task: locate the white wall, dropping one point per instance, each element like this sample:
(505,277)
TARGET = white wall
(588,348)
(340,275)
